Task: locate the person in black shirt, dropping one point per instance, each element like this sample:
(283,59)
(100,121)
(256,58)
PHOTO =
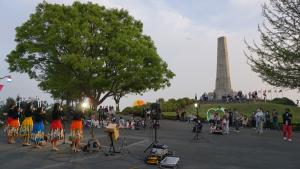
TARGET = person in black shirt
(76,130)
(13,123)
(56,128)
(287,125)
(275,119)
(27,124)
(268,120)
(37,135)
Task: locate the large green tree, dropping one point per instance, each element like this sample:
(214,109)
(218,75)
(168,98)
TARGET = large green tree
(86,50)
(277,58)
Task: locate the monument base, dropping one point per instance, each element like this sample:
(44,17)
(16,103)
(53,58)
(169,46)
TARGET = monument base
(220,94)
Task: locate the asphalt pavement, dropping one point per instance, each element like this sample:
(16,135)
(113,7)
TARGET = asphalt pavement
(243,150)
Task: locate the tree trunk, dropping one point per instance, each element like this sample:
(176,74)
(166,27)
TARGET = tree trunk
(118,106)
(68,102)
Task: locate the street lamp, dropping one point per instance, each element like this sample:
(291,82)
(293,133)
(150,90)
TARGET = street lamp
(197,122)
(196,106)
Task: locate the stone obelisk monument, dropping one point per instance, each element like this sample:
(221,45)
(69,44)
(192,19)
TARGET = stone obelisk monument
(223,84)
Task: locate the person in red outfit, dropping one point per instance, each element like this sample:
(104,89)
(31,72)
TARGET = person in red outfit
(56,128)
(287,125)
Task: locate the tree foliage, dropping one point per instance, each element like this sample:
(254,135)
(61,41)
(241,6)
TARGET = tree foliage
(86,50)
(277,58)
(172,105)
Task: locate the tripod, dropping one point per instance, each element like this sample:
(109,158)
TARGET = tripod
(155,125)
(197,131)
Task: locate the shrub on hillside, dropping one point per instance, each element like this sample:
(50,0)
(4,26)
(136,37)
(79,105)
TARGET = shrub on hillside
(284,101)
(172,105)
(136,111)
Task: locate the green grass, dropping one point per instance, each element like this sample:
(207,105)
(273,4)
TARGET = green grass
(243,108)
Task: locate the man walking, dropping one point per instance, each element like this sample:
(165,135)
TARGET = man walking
(287,125)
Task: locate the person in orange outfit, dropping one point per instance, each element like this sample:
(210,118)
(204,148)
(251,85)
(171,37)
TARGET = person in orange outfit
(76,130)
(13,123)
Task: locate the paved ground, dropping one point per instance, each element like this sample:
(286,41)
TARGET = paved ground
(246,150)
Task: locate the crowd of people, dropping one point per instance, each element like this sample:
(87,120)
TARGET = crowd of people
(260,120)
(132,123)
(29,123)
(264,120)
(234,97)
(32,127)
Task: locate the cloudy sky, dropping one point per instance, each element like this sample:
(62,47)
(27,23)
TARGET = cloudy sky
(185,33)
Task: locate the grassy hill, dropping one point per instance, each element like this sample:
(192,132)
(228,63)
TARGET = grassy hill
(243,108)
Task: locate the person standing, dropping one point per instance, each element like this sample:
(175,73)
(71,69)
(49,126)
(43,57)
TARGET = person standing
(259,116)
(225,124)
(56,128)
(275,119)
(230,116)
(287,125)
(13,123)
(253,120)
(76,130)
(27,124)
(38,134)
(236,119)
(268,120)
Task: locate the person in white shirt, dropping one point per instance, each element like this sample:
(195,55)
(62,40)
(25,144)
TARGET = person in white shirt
(225,122)
(122,123)
(260,118)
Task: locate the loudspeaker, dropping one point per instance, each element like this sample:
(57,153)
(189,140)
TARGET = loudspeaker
(155,111)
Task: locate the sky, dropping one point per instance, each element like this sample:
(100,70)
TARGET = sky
(185,33)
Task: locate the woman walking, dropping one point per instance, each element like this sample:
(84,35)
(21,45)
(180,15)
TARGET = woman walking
(37,135)
(27,124)
(56,129)
(13,123)
(76,130)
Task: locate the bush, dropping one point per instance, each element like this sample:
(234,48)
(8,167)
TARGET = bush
(284,101)
(172,105)
(136,111)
